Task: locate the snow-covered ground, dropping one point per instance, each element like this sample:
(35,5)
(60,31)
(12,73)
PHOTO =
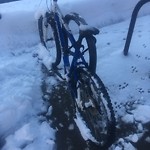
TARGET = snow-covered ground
(127,77)
(22,125)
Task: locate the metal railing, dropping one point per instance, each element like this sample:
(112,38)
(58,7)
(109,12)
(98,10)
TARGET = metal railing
(132,25)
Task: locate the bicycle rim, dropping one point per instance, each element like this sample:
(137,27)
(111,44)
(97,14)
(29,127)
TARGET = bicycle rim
(88,49)
(94,105)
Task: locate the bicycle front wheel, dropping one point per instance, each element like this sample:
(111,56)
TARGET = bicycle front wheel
(49,37)
(74,22)
(95,107)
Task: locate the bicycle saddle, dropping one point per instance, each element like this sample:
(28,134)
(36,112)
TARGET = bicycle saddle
(86,29)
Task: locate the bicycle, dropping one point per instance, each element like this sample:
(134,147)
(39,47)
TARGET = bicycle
(90,98)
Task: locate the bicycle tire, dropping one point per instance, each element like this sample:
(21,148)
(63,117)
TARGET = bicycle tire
(89,41)
(95,107)
(43,24)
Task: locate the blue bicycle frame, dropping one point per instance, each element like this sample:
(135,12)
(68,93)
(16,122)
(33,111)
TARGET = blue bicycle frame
(63,30)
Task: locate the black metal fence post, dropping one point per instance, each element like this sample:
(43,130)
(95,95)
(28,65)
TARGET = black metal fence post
(132,24)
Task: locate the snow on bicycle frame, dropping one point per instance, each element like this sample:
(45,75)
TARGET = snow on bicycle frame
(63,28)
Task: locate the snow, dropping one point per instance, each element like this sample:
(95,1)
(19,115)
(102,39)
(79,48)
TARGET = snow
(134,138)
(44,56)
(21,103)
(31,136)
(144,112)
(85,132)
(148,139)
(126,77)
(128,118)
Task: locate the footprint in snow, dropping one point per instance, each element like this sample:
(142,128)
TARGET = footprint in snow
(147,58)
(140,90)
(134,69)
(123,86)
(144,45)
(138,56)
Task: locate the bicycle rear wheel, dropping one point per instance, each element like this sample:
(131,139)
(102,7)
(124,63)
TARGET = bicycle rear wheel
(94,105)
(49,37)
(75,21)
